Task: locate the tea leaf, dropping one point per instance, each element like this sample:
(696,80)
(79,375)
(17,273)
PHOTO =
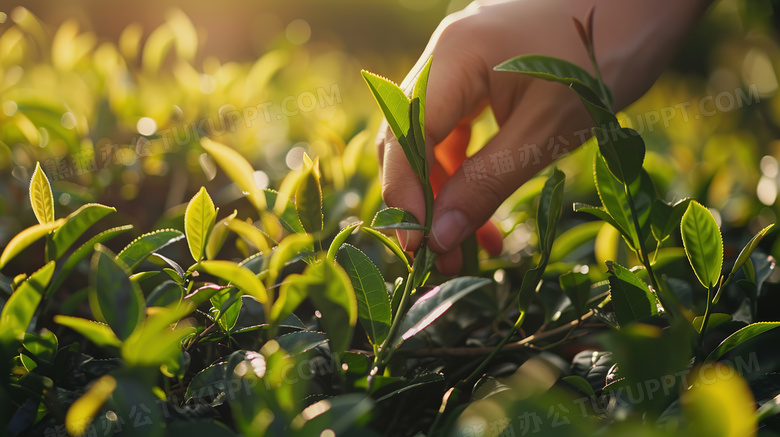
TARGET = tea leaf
(98,333)
(84,409)
(332,294)
(79,254)
(226,307)
(139,249)
(237,169)
(77,223)
(308,200)
(370,291)
(218,235)
(252,234)
(741,336)
(198,222)
(390,244)
(340,238)
(292,292)
(744,255)
(113,297)
(549,211)
(577,288)
(18,311)
(703,243)
(554,70)
(665,218)
(395,106)
(240,277)
(631,297)
(288,217)
(26,238)
(396,218)
(623,151)
(287,250)
(41,198)
(436,302)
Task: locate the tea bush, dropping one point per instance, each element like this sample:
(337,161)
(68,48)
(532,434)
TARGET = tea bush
(253,311)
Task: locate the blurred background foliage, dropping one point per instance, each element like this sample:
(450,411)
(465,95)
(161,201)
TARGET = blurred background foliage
(113,97)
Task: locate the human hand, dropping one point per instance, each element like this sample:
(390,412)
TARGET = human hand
(633,43)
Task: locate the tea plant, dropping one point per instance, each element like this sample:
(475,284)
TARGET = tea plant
(302,334)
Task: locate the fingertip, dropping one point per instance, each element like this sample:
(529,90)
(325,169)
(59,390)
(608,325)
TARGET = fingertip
(450,263)
(490,238)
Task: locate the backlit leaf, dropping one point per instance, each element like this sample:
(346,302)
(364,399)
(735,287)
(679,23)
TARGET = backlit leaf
(240,277)
(26,238)
(237,169)
(308,200)
(740,337)
(83,411)
(139,249)
(703,243)
(98,333)
(340,238)
(77,223)
(18,311)
(40,196)
(332,294)
(218,236)
(198,221)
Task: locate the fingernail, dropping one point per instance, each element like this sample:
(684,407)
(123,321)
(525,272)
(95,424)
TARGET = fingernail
(449,228)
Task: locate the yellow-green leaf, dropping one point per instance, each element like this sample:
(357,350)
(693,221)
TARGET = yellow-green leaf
(83,411)
(238,170)
(252,234)
(40,196)
(96,332)
(308,199)
(198,221)
(240,277)
(26,238)
(218,236)
(719,403)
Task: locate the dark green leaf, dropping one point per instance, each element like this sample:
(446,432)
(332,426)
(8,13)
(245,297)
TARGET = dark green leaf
(395,218)
(114,299)
(340,415)
(665,218)
(602,214)
(551,69)
(430,378)
(82,252)
(167,293)
(299,342)
(581,384)
(43,345)
(631,297)
(332,294)
(435,303)
(138,250)
(288,217)
(308,200)
(370,291)
(549,211)
(703,243)
(77,223)
(623,151)
(577,288)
